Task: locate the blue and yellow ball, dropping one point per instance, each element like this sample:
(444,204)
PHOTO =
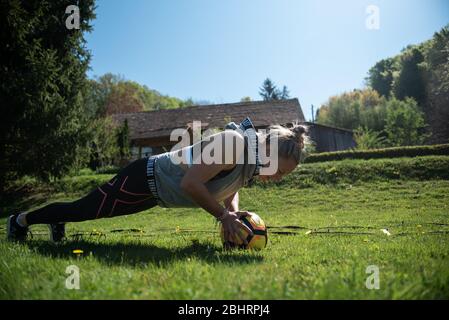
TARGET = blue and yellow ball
(257,241)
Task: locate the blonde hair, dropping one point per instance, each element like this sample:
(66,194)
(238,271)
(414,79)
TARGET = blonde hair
(291,141)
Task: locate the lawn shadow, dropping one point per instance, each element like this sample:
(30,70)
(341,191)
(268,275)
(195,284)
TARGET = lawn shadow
(22,199)
(138,254)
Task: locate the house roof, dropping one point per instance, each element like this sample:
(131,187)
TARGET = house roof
(314,124)
(152,124)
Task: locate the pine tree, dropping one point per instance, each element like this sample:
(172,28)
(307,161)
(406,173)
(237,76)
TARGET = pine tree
(269,91)
(42,78)
(285,94)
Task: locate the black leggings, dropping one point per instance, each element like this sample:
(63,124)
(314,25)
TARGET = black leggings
(128,192)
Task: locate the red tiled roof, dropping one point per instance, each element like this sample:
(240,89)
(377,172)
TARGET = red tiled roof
(151,124)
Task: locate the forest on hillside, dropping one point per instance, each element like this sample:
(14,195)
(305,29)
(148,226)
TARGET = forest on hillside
(405,102)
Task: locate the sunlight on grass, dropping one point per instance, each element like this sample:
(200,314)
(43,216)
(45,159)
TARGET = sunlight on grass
(321,240)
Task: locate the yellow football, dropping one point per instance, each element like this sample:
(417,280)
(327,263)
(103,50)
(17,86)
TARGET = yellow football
(259,238)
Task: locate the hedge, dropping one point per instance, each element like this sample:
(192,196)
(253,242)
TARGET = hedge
(398,152)
(375,170)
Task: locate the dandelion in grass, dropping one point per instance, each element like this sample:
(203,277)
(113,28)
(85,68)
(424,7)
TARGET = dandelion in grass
(78,252)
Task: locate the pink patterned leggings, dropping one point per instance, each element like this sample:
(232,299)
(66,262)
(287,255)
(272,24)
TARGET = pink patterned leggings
(126,193)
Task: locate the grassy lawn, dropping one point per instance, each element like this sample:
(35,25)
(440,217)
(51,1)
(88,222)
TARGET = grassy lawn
(176,254)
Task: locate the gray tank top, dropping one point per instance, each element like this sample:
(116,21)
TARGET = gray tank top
(168,175)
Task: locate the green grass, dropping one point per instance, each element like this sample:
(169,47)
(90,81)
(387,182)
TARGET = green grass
(328,263)
(395,152)
(374,170)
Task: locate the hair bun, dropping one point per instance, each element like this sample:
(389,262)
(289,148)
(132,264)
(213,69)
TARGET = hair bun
(299,131)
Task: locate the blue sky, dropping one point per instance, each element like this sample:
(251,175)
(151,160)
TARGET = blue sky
(221,51)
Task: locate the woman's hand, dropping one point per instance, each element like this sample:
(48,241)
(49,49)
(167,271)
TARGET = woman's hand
(232,226)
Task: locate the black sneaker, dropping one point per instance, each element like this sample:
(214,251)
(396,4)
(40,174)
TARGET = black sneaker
(57,232)
(15,232)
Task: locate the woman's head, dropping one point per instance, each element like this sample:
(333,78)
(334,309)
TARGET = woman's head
(290,146)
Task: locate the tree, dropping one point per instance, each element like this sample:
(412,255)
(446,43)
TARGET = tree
(368,139)
(410,81)
(123,140)
(437,105)
(123,98)
(351,110)
(405,123)
(380,77)
(99,91)
(42,78)
(102,146)
(375,118)
(285,94)
(420,72)
(110,94)
(245,99)
(108,143)
(270,92)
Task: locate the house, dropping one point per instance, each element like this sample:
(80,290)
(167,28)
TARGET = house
(150,131)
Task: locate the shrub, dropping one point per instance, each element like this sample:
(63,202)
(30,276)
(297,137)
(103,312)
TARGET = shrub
(396,152)
(368,139)
(354,171)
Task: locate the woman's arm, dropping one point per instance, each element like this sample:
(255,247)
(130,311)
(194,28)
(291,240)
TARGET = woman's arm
(193,184)
(232,203)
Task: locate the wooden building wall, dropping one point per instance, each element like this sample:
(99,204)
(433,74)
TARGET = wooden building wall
(328,139)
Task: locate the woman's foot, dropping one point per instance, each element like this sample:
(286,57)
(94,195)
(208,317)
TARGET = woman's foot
(57,232)
(15,232)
